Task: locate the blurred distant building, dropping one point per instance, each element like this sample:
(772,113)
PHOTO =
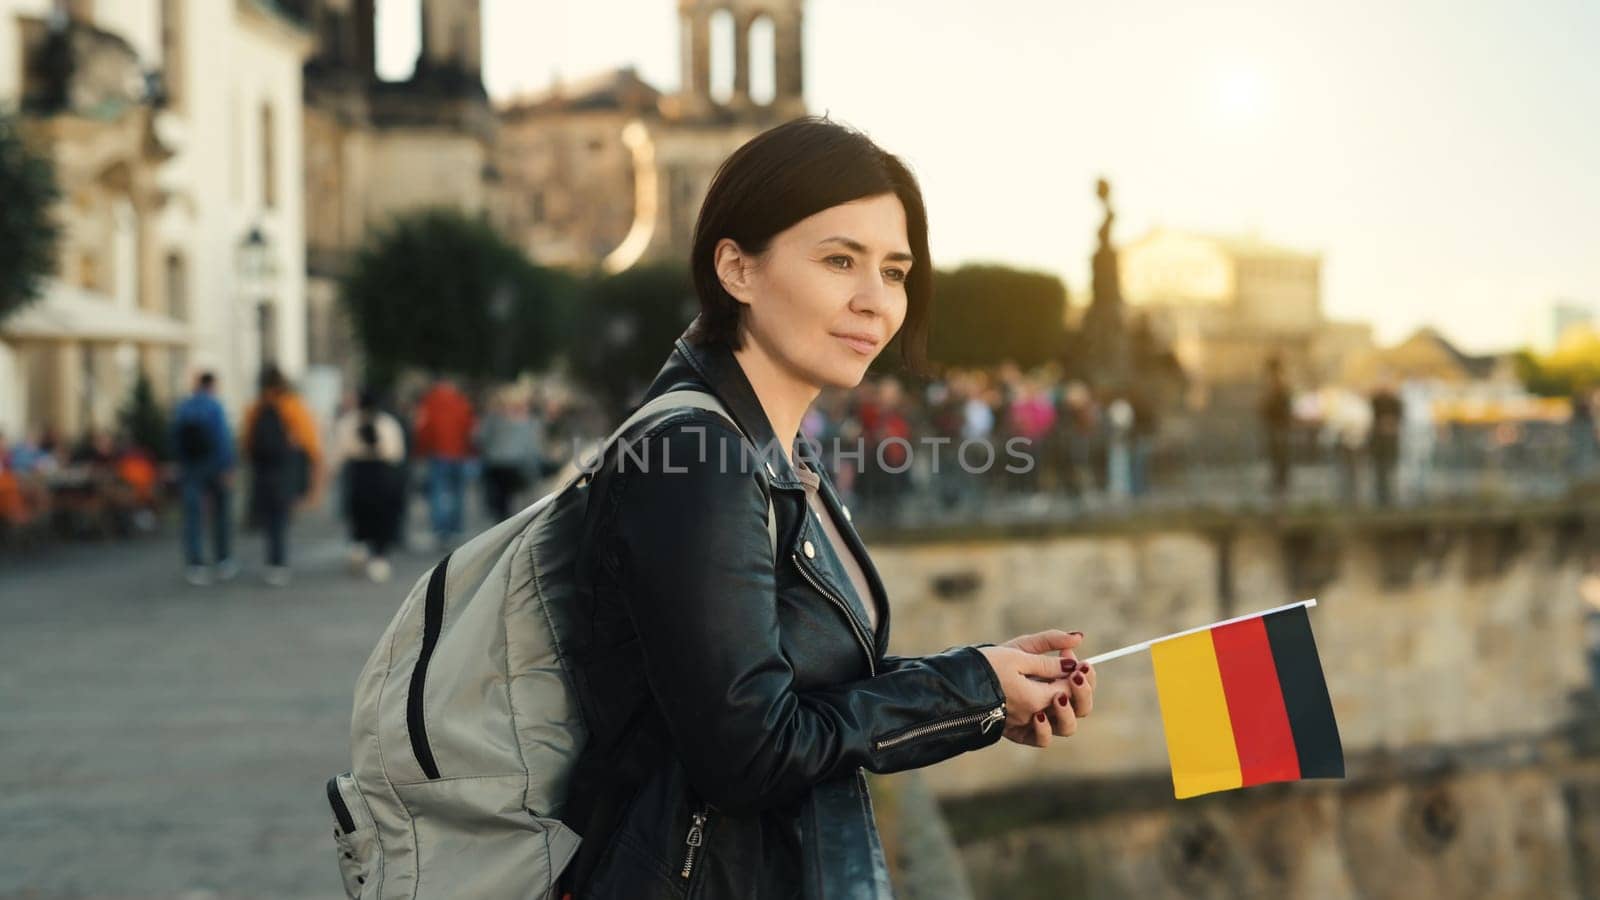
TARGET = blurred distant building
(1227,304)
(1429,356)
(569,187)
(377,148)
(610,172)
(174,128)
(1558,320)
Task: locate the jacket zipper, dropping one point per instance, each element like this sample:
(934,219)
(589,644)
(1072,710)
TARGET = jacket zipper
(693,842)
(855,627)
(985,720)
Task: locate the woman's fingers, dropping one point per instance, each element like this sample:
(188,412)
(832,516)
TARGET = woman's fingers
(1082,689)
(1041,729)
(1041,665)
(1051,641)
(1063,721)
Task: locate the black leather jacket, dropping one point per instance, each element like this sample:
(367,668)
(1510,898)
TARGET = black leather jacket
(734,700)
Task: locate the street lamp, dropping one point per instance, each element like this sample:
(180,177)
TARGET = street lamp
(257,267)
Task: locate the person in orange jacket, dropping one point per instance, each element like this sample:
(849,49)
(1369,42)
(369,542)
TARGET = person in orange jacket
(444,427)
(280,440)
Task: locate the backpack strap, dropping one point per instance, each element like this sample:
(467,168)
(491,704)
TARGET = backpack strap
(676,400)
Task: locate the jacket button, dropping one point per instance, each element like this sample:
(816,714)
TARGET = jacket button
(811,552)
(771,471)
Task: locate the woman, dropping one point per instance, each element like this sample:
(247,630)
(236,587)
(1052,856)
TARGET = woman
(733,696)
(372,446)
(509,441)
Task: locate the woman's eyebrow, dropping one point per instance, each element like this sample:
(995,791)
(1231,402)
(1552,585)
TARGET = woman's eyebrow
(859,247)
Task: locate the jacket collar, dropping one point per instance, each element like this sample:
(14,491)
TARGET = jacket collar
(713,367)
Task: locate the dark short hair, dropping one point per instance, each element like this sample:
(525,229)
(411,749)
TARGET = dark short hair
(206,381)
(788,173)
(272,378)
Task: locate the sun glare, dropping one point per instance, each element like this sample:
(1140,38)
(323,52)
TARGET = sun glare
(1242,94)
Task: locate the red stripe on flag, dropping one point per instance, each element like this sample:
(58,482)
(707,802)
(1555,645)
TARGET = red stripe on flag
(1255,703)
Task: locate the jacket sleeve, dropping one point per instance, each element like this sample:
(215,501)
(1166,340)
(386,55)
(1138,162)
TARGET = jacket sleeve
(691,554)
(227,457)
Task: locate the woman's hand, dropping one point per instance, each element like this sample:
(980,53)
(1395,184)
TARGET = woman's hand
(1035,697)
(1074,685)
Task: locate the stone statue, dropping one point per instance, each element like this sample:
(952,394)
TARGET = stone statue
(1104,338)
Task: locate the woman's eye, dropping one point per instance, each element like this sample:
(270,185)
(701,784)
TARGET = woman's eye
(841,261)
(896,275)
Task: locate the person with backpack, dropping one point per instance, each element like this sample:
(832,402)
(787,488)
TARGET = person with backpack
(280,440)
(371,447)
(668,677)
(203,444)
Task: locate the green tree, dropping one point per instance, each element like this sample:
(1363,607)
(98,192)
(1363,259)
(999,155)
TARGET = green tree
(626,326)
(1572,366)
(27,231)
(986,314)
(142,418)
(443,291)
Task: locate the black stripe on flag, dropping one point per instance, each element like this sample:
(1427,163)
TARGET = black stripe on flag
(1305,694)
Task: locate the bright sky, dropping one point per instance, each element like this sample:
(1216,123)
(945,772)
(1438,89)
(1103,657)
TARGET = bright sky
(1443,155)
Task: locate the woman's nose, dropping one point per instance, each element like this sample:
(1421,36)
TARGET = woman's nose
(870,294)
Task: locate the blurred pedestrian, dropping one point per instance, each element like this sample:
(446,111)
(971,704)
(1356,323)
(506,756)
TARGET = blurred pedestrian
(1347,421)
(1387,415)
(370,443)
(1580,431)
(510,441)
(202,444)
(444,427)
(1119,457)
(280,439)
(1418,439)
(1277,421)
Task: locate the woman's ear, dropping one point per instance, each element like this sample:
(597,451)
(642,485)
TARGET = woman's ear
(733,270)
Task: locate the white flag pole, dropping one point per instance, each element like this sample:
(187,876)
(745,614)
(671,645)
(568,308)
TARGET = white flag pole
(1145,645)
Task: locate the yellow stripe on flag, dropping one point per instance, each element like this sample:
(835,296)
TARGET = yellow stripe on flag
(1194,713)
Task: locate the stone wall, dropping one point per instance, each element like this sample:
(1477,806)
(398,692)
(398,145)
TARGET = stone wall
(1454,648)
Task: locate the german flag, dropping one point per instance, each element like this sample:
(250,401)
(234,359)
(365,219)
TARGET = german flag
(1245,703)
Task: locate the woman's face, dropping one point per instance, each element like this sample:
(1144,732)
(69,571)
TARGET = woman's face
(830,291)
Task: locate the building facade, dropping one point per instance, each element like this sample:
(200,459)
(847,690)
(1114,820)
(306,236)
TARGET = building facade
(375,149)
(174,130)
(610,172)
(1228,304)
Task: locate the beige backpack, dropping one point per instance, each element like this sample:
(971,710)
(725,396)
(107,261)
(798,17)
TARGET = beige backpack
(466,726)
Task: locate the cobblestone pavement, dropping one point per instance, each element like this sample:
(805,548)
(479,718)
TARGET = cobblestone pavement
(163,740)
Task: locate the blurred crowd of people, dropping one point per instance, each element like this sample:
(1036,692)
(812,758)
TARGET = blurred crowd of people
(101,484)
(948,444)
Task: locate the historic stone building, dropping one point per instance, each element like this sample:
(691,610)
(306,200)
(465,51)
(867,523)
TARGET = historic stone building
(377,148)
(1227,304)
(610,172)
(174,129)
(606,171)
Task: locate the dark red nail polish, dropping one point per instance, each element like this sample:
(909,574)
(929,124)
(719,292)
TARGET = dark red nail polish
(1085,667)
(1078,633)
(1040,717)
(1062,700)
(1077,680)
(1067,665)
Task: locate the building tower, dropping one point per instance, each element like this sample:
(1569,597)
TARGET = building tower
(452,40)
(695,100)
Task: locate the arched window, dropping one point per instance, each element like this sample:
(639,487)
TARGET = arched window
(723,64)
(763,46)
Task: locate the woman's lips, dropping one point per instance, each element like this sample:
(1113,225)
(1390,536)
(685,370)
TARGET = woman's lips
(863,346)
